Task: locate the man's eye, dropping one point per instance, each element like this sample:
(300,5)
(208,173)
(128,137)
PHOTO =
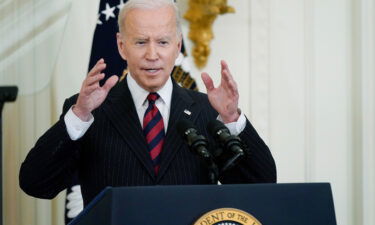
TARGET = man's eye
(140,42)
(163,42)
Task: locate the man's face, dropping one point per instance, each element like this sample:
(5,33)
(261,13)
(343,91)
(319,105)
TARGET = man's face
(150,45)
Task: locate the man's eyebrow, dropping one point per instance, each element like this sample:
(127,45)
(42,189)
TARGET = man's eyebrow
(164,38)
(140,38)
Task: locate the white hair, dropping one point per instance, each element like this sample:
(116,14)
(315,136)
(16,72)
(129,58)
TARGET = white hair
(147,4)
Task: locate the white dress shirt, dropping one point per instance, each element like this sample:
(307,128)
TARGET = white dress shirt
(76,128)
(163,103)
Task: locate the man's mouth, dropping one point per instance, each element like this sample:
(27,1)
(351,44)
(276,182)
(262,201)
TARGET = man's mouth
(152,70)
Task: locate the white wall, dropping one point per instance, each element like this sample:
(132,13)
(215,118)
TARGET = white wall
(364,109)
(305,71)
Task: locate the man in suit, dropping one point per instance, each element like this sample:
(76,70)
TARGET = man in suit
(133,140)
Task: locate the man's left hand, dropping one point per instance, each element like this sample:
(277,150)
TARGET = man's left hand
(224,98)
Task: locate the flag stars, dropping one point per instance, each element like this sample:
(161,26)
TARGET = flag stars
(119,6)
(108,12)
(99,22)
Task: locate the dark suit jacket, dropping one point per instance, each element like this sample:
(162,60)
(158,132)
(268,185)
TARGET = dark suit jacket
(113,152)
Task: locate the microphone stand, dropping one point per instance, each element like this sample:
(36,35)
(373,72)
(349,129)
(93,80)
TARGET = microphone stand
(198,144)
(232,161)
(213,170)
(7,94)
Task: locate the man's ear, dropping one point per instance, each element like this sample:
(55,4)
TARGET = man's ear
(179,45)
(121,45)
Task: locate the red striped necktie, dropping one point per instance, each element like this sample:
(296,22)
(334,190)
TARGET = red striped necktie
(153,129)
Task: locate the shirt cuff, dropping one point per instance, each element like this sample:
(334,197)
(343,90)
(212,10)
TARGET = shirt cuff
(75,127)
(237,127)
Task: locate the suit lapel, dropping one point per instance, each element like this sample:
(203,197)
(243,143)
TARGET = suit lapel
(181,105)
(121,111)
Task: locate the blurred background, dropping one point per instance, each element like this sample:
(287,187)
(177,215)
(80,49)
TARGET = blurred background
(305,71)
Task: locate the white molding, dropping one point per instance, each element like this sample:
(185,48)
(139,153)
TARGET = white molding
(260,66)
(368,108)
(310,161)
(356,115)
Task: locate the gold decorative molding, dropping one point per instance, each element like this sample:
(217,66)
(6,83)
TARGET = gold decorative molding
(201,15)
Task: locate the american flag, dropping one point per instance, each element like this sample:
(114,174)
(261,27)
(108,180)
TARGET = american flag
(105,46)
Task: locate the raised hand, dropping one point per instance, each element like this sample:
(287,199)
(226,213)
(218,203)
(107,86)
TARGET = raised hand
(224,98)
(91,95)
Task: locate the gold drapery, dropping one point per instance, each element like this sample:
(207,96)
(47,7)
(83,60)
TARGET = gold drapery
(201,15)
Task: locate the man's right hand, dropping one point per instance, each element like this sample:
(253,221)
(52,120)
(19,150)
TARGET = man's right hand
(92,95)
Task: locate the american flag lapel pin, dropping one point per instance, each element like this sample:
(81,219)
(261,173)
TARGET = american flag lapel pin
(187,112)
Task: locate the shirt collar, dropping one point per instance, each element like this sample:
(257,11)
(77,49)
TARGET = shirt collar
(140,95)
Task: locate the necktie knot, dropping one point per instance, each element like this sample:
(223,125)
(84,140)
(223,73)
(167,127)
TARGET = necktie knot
(152,97)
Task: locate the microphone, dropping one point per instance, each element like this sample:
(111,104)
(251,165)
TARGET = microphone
(8,93)
(232,144)
(197,143)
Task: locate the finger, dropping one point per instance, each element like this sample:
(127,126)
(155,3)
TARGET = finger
(227,80)
(101,60)
(110,83)
(207,81)
(97,68)
(224,67)
(224,64)
(91,88)
(233,88)
(225,76)
(94,79)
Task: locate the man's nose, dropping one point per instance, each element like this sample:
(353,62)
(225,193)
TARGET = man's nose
(152,52)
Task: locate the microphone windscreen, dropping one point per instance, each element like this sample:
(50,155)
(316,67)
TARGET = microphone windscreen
(184,125)
(214,126)
(8,93)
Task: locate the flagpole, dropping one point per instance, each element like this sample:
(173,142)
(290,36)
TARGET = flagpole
(7,94)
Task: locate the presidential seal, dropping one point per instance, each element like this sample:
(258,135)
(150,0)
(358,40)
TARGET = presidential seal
(227,216)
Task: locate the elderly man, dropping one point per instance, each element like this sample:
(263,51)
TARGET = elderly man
(124,133)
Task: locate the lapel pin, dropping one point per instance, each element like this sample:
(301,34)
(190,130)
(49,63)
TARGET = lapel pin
(187,112)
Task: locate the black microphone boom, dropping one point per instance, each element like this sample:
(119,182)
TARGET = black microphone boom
(232,144)
(199,145)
